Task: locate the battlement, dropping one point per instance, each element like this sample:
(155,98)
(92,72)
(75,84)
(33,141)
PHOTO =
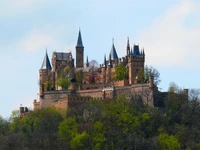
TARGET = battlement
(136,58)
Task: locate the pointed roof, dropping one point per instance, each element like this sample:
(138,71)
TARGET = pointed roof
(113,52)
(128,44)
(62,56)
(136,51)
(46,63)
(79,41)
(87,60)
(104,65)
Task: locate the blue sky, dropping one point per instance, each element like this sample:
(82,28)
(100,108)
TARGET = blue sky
(169,31)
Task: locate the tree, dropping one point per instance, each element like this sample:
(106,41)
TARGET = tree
(79,76)
(168,142)
(121,72)
(173,87)
(93,64)
(80,141)
(98,136)
(64,83)
(48,86)
(143,75)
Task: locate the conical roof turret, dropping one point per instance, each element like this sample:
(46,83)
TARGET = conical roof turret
(128,47)
(46,63)
(104,65)
(79,41)
(113,52)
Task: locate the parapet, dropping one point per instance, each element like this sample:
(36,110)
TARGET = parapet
(23,111)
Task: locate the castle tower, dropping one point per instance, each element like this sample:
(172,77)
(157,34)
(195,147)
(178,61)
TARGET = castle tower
(79,52)
(128,47)
(136,63)
(44,73)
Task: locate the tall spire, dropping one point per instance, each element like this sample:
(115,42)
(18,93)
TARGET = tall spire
(143,52)
(105,60)
(128,47)
(113,53)
(110,61)
(131,51)
(128,44)
(87,62)
(79,42)
(46,63)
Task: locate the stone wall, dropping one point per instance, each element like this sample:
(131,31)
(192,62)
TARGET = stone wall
(51,97)
(121,83)
(64,99)
(36,105)
(94,93)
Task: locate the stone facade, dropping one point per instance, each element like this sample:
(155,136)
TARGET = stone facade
(97,83)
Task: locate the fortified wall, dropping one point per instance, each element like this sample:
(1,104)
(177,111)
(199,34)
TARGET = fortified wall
(74,98)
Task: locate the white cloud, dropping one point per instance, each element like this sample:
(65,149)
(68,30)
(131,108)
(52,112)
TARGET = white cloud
(35,40)
(169,41)
(38,38)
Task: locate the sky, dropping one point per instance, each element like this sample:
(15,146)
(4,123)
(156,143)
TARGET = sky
(168,30)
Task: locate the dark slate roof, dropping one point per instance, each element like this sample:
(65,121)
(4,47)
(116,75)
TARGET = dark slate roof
(62,56)
(136,51)
(128,43)
(113,53)
(79,42)
(87,60)
(105,60)
(46,63)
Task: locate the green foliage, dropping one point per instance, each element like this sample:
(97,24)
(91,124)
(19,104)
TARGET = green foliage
(168,142)
(48,86)
(4,126)
(79,76)
(66,72)
(98,136)
(115,124)
(68,129)
(64,83)
(80,141)
(121,72)
(140,77)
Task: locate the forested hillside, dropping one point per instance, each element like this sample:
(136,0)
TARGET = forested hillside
(114,125)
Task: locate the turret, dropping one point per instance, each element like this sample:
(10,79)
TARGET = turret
(113,53)
(128,47)
(108,75)
(136,63)
(104,66)
(87,62)
(44,73)
(79,52)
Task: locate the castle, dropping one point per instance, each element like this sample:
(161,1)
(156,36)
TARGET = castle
(94,82)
